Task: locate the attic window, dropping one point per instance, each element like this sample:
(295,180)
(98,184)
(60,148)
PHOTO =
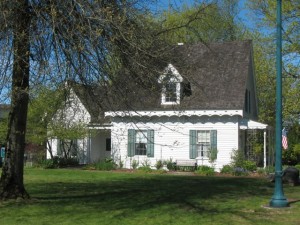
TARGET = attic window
(171,86)
(171,95)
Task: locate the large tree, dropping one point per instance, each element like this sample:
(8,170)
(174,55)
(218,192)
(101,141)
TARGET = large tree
(265,13)
(52,41)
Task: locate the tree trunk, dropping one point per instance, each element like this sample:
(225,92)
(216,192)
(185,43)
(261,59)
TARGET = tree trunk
(11,183)
(49,148)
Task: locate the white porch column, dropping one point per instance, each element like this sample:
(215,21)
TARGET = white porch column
(265,148)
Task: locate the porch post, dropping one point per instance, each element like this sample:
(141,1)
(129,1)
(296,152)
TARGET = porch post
(89,148)
(265,148)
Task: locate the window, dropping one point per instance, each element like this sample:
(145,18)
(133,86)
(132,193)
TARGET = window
(140,142)
(171,82)
(201,142)
(171,94)
(108,144)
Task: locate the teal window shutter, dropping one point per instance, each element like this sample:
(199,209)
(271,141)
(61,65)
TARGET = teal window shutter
(193,144)
(150,143)
(131,142)
(213,139)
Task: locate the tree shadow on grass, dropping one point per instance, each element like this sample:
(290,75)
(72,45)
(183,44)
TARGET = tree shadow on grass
(194,194)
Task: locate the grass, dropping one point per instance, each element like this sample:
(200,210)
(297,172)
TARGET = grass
(67,196)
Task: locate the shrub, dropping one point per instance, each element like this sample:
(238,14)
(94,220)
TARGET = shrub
(227,169)
(48,164)
(145,169)
(58,162)
(249,165)
(297,166)
(121,164)
(170,165)
(237,157)
(107,164)
(240,164)
(239,171)
(205,170)
(146,163)
(261,171)
(159,165)
(160,171)
(266,171)
(63,162)
(212,155)
(134,164)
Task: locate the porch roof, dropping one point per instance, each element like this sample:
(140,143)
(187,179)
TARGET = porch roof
(247,124)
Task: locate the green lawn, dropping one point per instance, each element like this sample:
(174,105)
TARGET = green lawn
(93,197)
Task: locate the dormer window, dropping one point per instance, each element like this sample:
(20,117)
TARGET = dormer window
(171,85)
(170,94)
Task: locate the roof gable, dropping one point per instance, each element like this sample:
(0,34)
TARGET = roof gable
(170,74)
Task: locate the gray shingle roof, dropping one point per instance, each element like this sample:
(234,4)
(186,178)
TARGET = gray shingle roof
(217,74)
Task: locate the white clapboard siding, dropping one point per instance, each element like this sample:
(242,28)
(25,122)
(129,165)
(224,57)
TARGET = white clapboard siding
(171,138)
(98,146)
(73,113)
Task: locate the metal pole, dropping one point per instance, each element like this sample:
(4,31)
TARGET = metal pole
(278,200)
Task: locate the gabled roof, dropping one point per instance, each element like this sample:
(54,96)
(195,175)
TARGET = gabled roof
(216,72)
(93,97)
(214,75)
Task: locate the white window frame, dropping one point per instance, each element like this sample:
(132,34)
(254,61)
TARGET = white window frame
(203,145)
(164,96)
(176,78)
(140,138)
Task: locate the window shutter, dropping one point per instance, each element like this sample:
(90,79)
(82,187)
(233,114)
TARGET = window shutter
(193,144)
(150,143)
(213,139)
(131,142)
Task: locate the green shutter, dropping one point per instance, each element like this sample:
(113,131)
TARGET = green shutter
(193,144)
(131,142)
(213,139)
(150,143)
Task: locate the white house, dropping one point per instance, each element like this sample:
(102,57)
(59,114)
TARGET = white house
(204,98)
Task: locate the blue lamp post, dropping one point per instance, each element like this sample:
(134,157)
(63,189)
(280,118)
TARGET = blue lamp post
(278,200)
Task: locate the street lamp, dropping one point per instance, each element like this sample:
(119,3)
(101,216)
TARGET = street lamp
(278,200)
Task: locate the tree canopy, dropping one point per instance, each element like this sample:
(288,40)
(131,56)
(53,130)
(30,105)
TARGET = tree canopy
(48,42)
(265,12)
(207,22)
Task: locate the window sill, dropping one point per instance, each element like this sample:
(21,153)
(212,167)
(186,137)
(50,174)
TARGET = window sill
(202,158)
(170,103)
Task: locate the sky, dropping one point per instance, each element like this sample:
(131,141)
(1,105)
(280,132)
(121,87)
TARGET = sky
(244,14)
